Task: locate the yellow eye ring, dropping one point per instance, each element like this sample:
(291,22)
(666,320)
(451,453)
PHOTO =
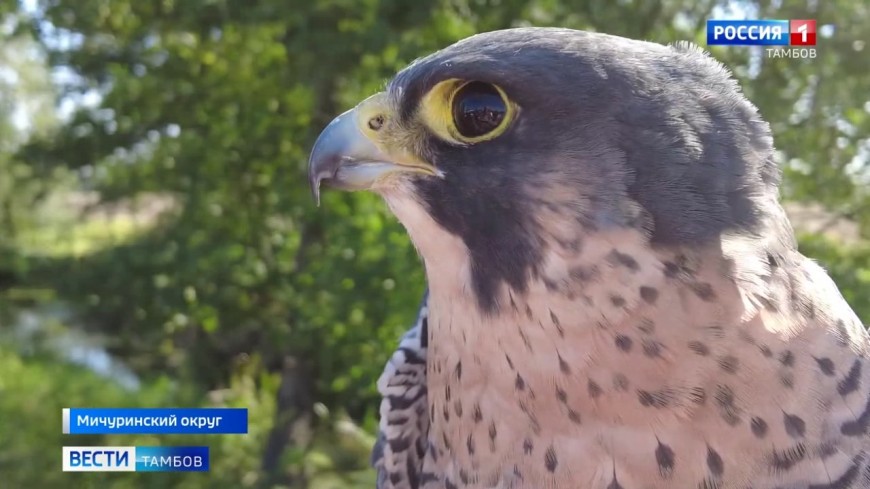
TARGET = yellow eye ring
(467,111)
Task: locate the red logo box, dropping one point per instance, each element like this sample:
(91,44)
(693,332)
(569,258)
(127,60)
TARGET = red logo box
(802,32)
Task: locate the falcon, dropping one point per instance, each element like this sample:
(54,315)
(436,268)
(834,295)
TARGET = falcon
(615,295)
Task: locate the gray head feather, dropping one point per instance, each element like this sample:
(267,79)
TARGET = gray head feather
(651,136)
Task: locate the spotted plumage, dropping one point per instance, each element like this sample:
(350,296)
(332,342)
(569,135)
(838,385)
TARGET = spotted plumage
(616,299)
(404,425)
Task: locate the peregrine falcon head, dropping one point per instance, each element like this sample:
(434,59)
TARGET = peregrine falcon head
(516,141)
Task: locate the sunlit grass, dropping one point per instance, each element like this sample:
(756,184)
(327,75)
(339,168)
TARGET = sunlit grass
(82,237)
(64,226)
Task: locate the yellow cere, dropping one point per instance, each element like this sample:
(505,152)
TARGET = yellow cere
(368,109)
(389,138)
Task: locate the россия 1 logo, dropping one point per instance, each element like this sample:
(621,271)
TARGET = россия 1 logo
(797,37)
(802,32)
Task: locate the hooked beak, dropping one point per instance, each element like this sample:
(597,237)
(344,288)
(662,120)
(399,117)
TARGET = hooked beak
(345,157)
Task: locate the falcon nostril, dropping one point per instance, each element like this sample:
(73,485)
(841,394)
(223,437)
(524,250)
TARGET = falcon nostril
(376,122)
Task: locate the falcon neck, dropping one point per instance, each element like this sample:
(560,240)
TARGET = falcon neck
(578,297)
(606,336)
(588,294)
(577,321)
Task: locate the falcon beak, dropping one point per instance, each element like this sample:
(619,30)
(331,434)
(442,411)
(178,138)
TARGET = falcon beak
(347,155)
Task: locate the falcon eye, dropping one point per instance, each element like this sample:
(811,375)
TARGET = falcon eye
(478,109)
(465,112)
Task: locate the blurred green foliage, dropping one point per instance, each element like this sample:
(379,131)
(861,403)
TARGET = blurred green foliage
(240,292)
